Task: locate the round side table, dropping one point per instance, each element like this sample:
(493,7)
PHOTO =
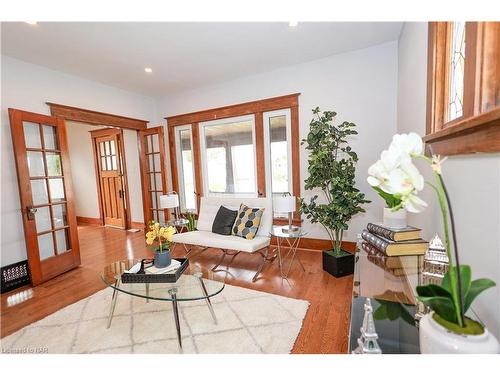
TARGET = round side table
(292,239)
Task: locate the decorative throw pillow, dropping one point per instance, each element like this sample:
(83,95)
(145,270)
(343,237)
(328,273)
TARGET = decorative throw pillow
(224,220)
(247,222)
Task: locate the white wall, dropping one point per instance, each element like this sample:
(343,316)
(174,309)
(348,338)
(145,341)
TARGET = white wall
(27,86)
(360,86)
(81,157)
(83,170)
(473,181)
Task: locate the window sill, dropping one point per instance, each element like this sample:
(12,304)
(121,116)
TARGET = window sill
(470,135)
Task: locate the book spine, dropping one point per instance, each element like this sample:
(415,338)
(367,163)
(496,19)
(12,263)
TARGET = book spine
(380,231)
(373,240)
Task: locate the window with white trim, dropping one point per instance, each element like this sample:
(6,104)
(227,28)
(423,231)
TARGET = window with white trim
(185,167)
(278,151)
(228,157)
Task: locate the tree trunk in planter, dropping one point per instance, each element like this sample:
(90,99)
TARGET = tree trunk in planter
(338,265)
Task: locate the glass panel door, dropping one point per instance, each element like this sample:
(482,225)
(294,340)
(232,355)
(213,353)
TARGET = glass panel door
(45,184)
(154,180)
(45,169)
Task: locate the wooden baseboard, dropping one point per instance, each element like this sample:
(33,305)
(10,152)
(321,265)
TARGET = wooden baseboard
(88,220)
(137,225)
(318,244)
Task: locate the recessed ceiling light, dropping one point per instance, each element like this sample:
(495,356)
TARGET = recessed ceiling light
(31,22)
(148,70)
(293,23)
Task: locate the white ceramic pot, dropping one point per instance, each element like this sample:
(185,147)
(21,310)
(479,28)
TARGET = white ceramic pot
(435,339)
(395,219)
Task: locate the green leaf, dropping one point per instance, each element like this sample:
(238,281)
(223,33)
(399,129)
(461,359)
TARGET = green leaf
(432,290)
(391,200)
(380,313)
(438,299)
(465,274)
(476,288)
(442,305)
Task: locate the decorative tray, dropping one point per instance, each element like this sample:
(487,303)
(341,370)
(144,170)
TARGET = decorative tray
(142,277)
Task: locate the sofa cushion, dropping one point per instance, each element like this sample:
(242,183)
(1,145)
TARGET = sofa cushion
(224,221)
(209,239)
(247,222)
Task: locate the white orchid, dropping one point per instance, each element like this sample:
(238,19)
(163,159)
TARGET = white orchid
(413,203)
(409,145)
(395,177)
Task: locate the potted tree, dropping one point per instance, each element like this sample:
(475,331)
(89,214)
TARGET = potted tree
(332,165)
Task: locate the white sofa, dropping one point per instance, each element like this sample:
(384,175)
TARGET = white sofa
(229,245)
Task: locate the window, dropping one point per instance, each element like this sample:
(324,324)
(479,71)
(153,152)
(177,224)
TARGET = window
(278,151)
(228,156)
(241,150)
(463,88)
(184,147)
(456,65)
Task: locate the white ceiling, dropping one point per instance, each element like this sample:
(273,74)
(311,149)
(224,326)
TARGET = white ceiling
(182,55)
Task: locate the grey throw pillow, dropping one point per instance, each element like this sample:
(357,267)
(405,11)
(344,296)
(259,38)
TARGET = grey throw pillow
(224,220)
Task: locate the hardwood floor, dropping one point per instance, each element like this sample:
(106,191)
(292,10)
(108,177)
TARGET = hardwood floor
(325,326)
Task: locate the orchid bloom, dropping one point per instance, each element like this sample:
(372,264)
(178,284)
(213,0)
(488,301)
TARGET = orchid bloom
(395,173)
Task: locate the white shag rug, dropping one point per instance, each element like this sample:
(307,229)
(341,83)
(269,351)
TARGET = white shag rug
(248,322)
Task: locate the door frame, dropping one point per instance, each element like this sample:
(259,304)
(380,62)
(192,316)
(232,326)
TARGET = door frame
(71,259)
(121,152)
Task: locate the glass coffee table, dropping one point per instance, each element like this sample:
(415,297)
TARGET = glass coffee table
(195,283)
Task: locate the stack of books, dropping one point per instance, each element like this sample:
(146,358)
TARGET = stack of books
(393,242)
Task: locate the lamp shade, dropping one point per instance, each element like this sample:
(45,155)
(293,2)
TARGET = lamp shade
(169,201)
(284,204)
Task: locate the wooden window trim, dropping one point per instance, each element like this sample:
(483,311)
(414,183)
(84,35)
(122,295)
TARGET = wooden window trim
(248,108)
(97,118)
(256,108)
(478,129)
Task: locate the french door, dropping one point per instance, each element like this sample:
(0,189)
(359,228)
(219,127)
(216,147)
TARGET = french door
(45,190)
(110,170)
(154,179)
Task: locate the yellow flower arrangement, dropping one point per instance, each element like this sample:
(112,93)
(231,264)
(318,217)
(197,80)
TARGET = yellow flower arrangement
(163,235)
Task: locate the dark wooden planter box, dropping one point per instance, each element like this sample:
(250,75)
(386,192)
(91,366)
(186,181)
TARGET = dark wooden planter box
(342,265)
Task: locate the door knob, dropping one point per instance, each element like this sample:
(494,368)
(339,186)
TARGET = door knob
(31,211)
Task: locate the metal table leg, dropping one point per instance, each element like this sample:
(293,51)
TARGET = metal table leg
(147,292)
(113,302)
(173,294)
(204,289)
(293,247)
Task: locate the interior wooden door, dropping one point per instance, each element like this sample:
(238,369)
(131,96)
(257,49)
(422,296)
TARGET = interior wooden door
(45,190)
(153,174)
(107,143)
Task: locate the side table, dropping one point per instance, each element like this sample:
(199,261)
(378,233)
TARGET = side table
(292,239)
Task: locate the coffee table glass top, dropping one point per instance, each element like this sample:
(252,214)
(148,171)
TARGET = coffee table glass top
(190,286)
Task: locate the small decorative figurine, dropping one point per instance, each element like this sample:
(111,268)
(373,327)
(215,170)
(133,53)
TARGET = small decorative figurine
(436,262)
(434,268)
(367,343)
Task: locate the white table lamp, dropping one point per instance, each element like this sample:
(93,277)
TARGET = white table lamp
(170,200)
(286,204)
